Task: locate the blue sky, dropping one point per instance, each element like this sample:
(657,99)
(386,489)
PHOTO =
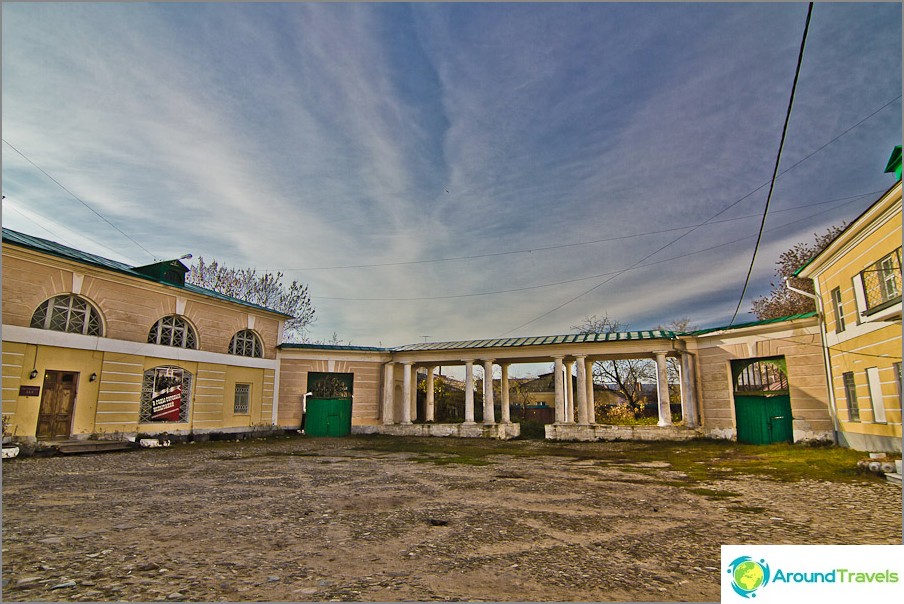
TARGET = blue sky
(456,149)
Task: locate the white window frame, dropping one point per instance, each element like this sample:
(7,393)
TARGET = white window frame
(236,407)
(838,306)
(163,332)
(240,342)
(65,304)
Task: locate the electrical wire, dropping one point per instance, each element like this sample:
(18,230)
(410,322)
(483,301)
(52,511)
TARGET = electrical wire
(77,198)
(809,217)
(778,158)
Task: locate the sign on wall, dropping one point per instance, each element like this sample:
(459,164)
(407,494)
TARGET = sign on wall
(166,399)
(165,395)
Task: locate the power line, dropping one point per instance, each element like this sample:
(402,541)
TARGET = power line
(569,301)
(59,237)
(778,158)
(564,245)
(77,198)
(578,279)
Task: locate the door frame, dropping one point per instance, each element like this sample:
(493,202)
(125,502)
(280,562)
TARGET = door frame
(45,391)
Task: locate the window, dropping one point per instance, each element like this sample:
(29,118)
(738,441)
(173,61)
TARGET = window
(839,310)
(69,313)
(246,343)
(882,282)
(165,395)
(242,398)
(850,393)
(173,331)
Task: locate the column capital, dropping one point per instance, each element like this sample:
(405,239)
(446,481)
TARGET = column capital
(407,362)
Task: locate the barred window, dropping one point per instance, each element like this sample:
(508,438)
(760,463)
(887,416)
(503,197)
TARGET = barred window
(165,395)
(882,282)
(850,393)
(242,398)
(246,343)
(173,331)
(68,313)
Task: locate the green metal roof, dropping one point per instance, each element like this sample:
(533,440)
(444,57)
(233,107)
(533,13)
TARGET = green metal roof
(539,341)
(894,162)
(700,332)
(62,251)
(294,345)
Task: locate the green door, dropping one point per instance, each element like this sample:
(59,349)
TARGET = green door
(763,419)
(328,417)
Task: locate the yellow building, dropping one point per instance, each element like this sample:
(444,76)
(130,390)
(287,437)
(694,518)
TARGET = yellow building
(857,278)
(97,347)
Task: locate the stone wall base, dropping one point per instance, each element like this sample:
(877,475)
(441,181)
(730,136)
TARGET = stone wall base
(498,431)
(591,432)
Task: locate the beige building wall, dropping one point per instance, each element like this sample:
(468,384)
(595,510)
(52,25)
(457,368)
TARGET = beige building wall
(798,341)
(293,384)
(128,306)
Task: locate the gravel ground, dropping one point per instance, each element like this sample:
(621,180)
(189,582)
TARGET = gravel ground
(303,519)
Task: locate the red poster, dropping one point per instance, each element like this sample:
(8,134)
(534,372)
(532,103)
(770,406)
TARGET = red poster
(166,400)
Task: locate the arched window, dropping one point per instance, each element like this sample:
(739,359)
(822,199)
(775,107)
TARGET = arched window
(246,343)
(69,313)
(173,331)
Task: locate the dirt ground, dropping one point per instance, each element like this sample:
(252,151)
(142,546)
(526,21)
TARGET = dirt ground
(304,519)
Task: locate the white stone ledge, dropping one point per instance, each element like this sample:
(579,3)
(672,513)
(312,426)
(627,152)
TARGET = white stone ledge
(593,432)
(498,431)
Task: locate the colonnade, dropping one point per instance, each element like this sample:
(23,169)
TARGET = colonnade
(574,399)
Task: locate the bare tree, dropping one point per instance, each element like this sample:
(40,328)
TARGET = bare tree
(266,289)
(782,302)
(626,375)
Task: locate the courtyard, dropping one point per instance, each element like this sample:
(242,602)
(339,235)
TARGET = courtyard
(375,518)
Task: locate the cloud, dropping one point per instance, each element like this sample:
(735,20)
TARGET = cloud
(301,136)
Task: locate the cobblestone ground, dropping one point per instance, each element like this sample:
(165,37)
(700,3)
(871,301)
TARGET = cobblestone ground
(335,519)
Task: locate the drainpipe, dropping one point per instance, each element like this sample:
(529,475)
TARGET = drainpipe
(820,313)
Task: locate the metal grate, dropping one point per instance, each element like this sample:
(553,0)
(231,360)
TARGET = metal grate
(762,377)
(882,281)
(148,388)
(242,397)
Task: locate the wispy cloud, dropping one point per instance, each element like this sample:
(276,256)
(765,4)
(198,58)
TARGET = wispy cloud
(311,135)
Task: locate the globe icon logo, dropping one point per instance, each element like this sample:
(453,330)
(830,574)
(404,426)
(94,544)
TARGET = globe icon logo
(748,575)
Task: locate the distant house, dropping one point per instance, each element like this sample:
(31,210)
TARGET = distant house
(857,279)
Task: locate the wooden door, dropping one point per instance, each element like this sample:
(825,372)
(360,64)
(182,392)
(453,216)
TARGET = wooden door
(57,404)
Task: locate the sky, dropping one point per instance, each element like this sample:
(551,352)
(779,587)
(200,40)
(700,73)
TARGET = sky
(441,172)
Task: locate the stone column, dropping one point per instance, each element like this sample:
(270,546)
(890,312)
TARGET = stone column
(489,412)
(591,403)
(582,389)
(560,391)
(662,386)
(688,390)
(504,403)
(469,392)
(569,391)
(406,392)
(388,391)
(430,405)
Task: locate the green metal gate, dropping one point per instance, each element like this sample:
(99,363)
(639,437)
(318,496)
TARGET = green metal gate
(329,410)
(763,420)
(762,401)
(328,417)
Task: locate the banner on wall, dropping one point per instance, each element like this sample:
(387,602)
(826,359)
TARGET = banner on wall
(166,398)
